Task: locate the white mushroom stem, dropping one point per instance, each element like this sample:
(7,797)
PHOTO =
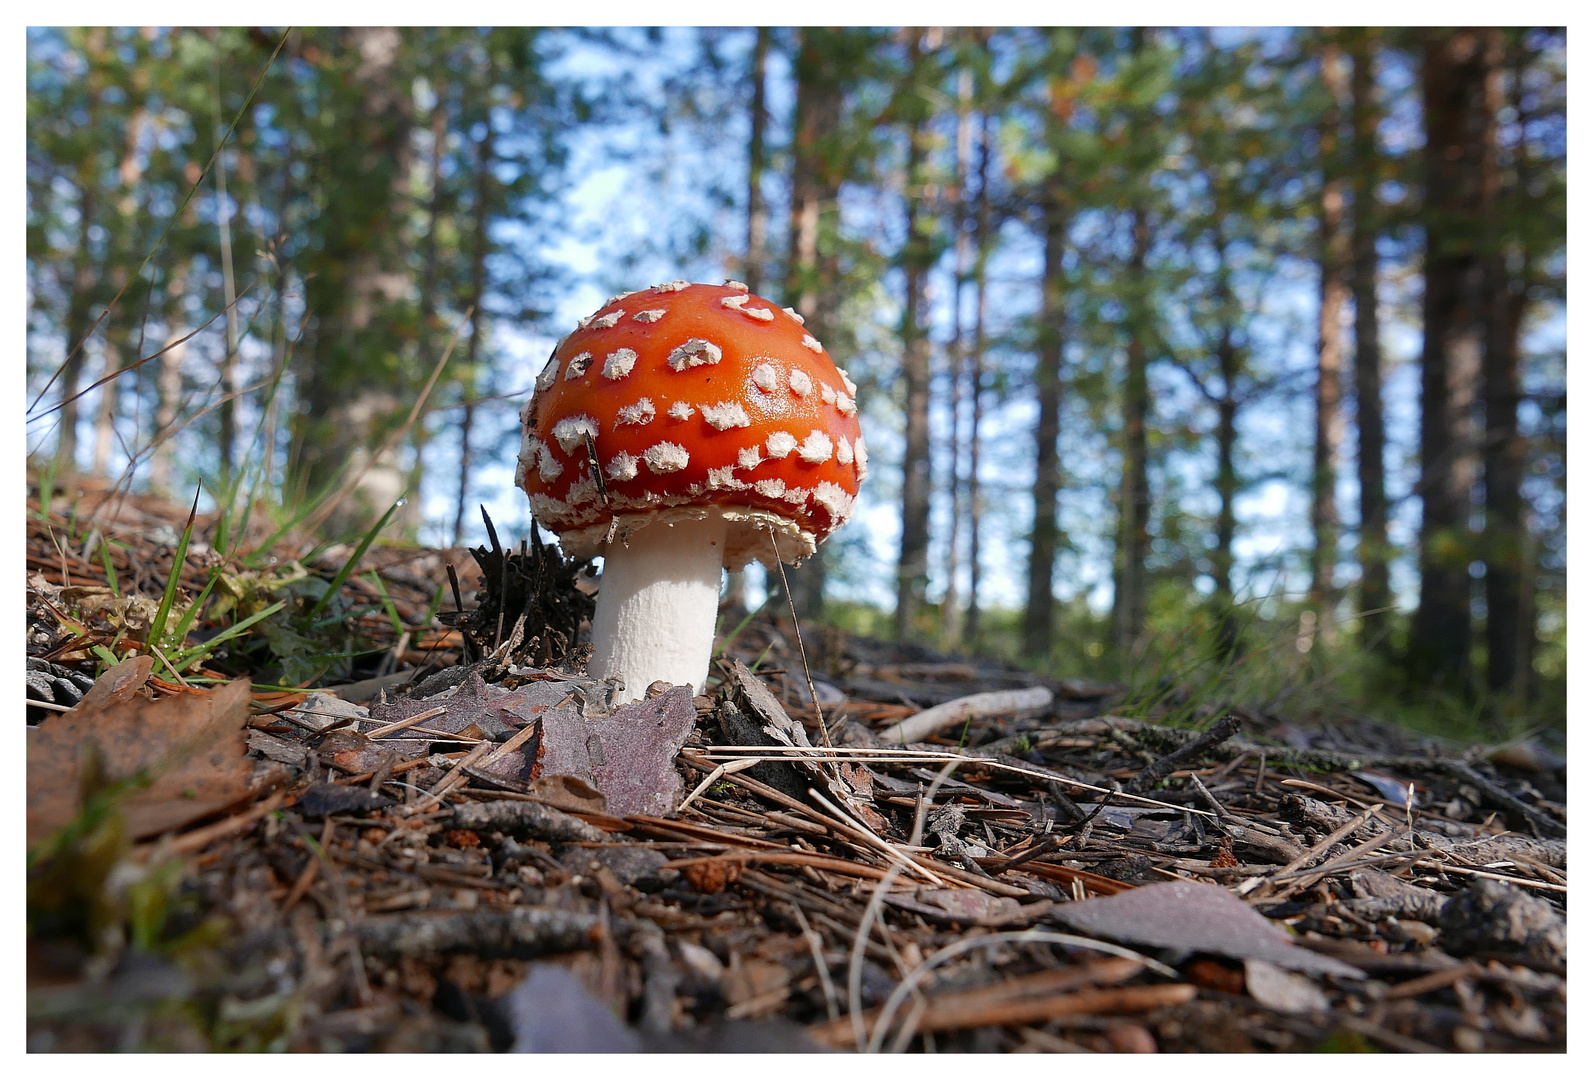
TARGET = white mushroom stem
(657,604)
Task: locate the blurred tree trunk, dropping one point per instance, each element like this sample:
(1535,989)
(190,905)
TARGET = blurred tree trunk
(169,385)
(734,602)
(811,267)
(120,345)
(1503,447)
(956,354)
(1226,480)
(912,567)
(413,514)
(84,274)
(1372,547)
(1457,67)
(227,409)
(1039,615)
(1129,593)
(352,384)
(1129,580)
(478,289)
(757,214)
(1334,257)
(1227,477)
(976,378)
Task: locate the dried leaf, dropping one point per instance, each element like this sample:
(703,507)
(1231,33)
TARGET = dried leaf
(356,754)
(971,907)
(1283,991)
(118,684)
(192,744)
(569,793)
(1196,916)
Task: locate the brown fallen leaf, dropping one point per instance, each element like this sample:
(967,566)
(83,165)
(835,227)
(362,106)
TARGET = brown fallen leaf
(569,793)
(193,745)
(1281,990)
(1200,917)
(118,684)
(971,906)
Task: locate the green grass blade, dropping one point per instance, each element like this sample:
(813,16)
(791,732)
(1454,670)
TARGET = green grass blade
(235,630)
(359,553)
(180,633)
(110,571)
(387,603)
(47,489)
(157,628)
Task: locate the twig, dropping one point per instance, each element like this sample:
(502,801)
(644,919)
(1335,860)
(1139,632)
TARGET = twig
(919,727)
(776,752)
(199,839)
(406,722)
(934,960)
(1219,732)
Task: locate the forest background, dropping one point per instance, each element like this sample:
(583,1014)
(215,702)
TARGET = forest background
(1233,358)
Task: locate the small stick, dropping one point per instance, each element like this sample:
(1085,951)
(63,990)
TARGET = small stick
(441,736)
(188,843)
(454,776)
(519,739)
(1332,838)
(401,767)
(1435,980)
(920,726)
(406,722)
(1049,844)
(1218,733)
(1221,811)
(816,946)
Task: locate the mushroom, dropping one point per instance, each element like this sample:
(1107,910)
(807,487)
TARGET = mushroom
(679,431)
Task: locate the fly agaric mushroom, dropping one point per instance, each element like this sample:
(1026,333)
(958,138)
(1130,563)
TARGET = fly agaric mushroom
(678,431)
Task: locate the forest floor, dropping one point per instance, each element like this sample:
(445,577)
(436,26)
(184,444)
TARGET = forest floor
(463,846)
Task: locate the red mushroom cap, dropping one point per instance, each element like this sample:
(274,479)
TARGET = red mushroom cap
(692,397)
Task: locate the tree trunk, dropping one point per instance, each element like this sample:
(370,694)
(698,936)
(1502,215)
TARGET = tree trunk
(412,516)
(1457,66)
(1039,615)
(1503,447)
(956,353)
(812,268)
(105,419)
(79,320)
(1372,546)
(734,602)
(119,341)
(352,386)
(1129,593)
(227,411)
(757,215)
(168,387)
(1333,254)
(912,567)
(976,379)
(1226,480)
(478,289)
